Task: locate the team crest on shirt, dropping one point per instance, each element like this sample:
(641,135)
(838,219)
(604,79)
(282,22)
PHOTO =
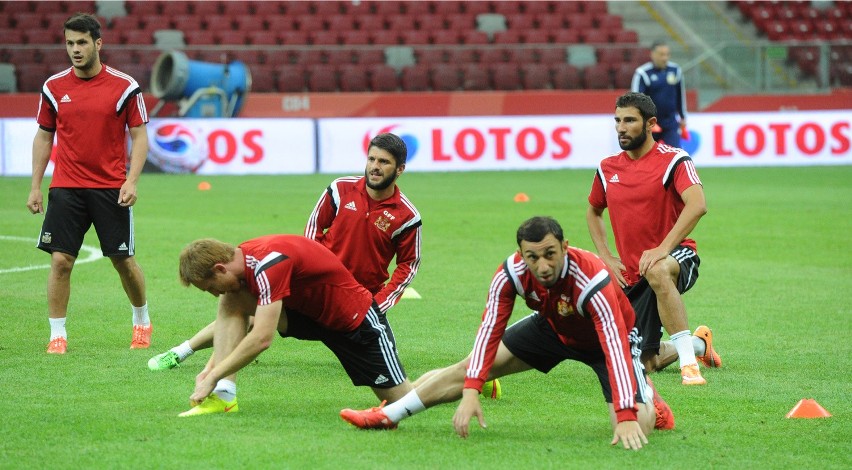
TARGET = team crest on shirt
(563,307)
(383,223)
(46,238)
(671,78)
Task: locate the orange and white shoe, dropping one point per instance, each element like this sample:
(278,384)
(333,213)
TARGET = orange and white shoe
(665,418)
(691,375)
(372,418)
(57,345)
(141,336)
(710,357)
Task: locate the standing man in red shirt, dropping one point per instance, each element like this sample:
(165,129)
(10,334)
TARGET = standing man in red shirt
(89,107)
(655,200)
(367,222)
(579,314)
(295,287)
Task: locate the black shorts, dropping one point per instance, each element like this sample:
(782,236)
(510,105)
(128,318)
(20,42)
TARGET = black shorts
(72,211)
(368,354)
(644,300)
(533,341)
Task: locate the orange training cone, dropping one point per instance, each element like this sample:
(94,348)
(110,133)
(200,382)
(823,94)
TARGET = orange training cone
(808,408)
(522,197)
(204,186)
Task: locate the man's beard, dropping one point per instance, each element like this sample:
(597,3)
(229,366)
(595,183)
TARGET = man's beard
(635,142)
(383,184)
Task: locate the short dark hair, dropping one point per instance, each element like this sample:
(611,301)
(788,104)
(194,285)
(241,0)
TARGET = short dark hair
(657,44)
(84,23)
(536,228)
(392,144)
(640,101)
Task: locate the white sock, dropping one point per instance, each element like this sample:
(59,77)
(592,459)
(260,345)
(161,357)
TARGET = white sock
(183,350)
(140,315)
(409,405)
(699,346)
(226,390)
(683,343)
(57,328)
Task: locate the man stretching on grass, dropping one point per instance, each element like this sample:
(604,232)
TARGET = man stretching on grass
(580,314)
(655,200)
(294,287)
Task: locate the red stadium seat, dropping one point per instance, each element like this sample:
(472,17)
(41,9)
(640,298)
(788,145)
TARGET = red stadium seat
(492,55)
(309,57)
(475,77)
(383,78)
(552,55)
(505,76)
(508,8)
(537,36)
(341,23)
(139,7)
(262,38)
(137,37)
(460,22)
(566,77)
(290,78)
(536,8)
(263,79)
(430,55)
(415,78)
(445,37)
(625,36)
(179,8)
(521,55)
(218,23)
(535,77)
(354,78)
(385,37)
(293,38)
(566,36)
(597,77)
(268,9)
(339,57)
(329,7)
(581,22)
(446,77)
(424,22)
(416,8)
(309,23)
(324,38)
(449,7)
(520,21)
(461,55)
(401,23)
(369,56)
(297,8)
(249,23)
(199,38)
(322,79)
(281,23)
(474,37)
(414,37)
(550,22)
(510,36)
(236,8)
(355,37)
(624,75)
(370,23)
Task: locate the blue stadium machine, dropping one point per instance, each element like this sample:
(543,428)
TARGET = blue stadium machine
(202,89)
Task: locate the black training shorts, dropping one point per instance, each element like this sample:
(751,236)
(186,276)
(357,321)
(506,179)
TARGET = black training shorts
(72,211)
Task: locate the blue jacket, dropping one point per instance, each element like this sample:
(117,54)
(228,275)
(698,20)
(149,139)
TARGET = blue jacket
(665,87)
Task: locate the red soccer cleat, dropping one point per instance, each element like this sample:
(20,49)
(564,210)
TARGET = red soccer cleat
(372,418)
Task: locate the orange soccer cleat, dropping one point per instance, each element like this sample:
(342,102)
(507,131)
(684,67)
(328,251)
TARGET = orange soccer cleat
(710,357)
(57,345)
(141,336)
(372,418)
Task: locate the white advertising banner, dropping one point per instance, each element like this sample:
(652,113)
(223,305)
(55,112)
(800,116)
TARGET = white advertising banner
(580,141)
(797,138)
(232,146)
(472,143)
(337,145)
(16,150)
(203,146)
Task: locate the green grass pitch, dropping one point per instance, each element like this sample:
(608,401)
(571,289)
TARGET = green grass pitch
(775,286)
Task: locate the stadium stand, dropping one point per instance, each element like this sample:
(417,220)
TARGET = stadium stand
(577,43)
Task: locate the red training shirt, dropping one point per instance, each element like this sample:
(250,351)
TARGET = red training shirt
(643,199)
(307,278)
(90,118)
(366,235)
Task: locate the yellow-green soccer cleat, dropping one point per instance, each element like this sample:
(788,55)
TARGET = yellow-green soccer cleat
(165,361)
(212,404)
(492,389)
